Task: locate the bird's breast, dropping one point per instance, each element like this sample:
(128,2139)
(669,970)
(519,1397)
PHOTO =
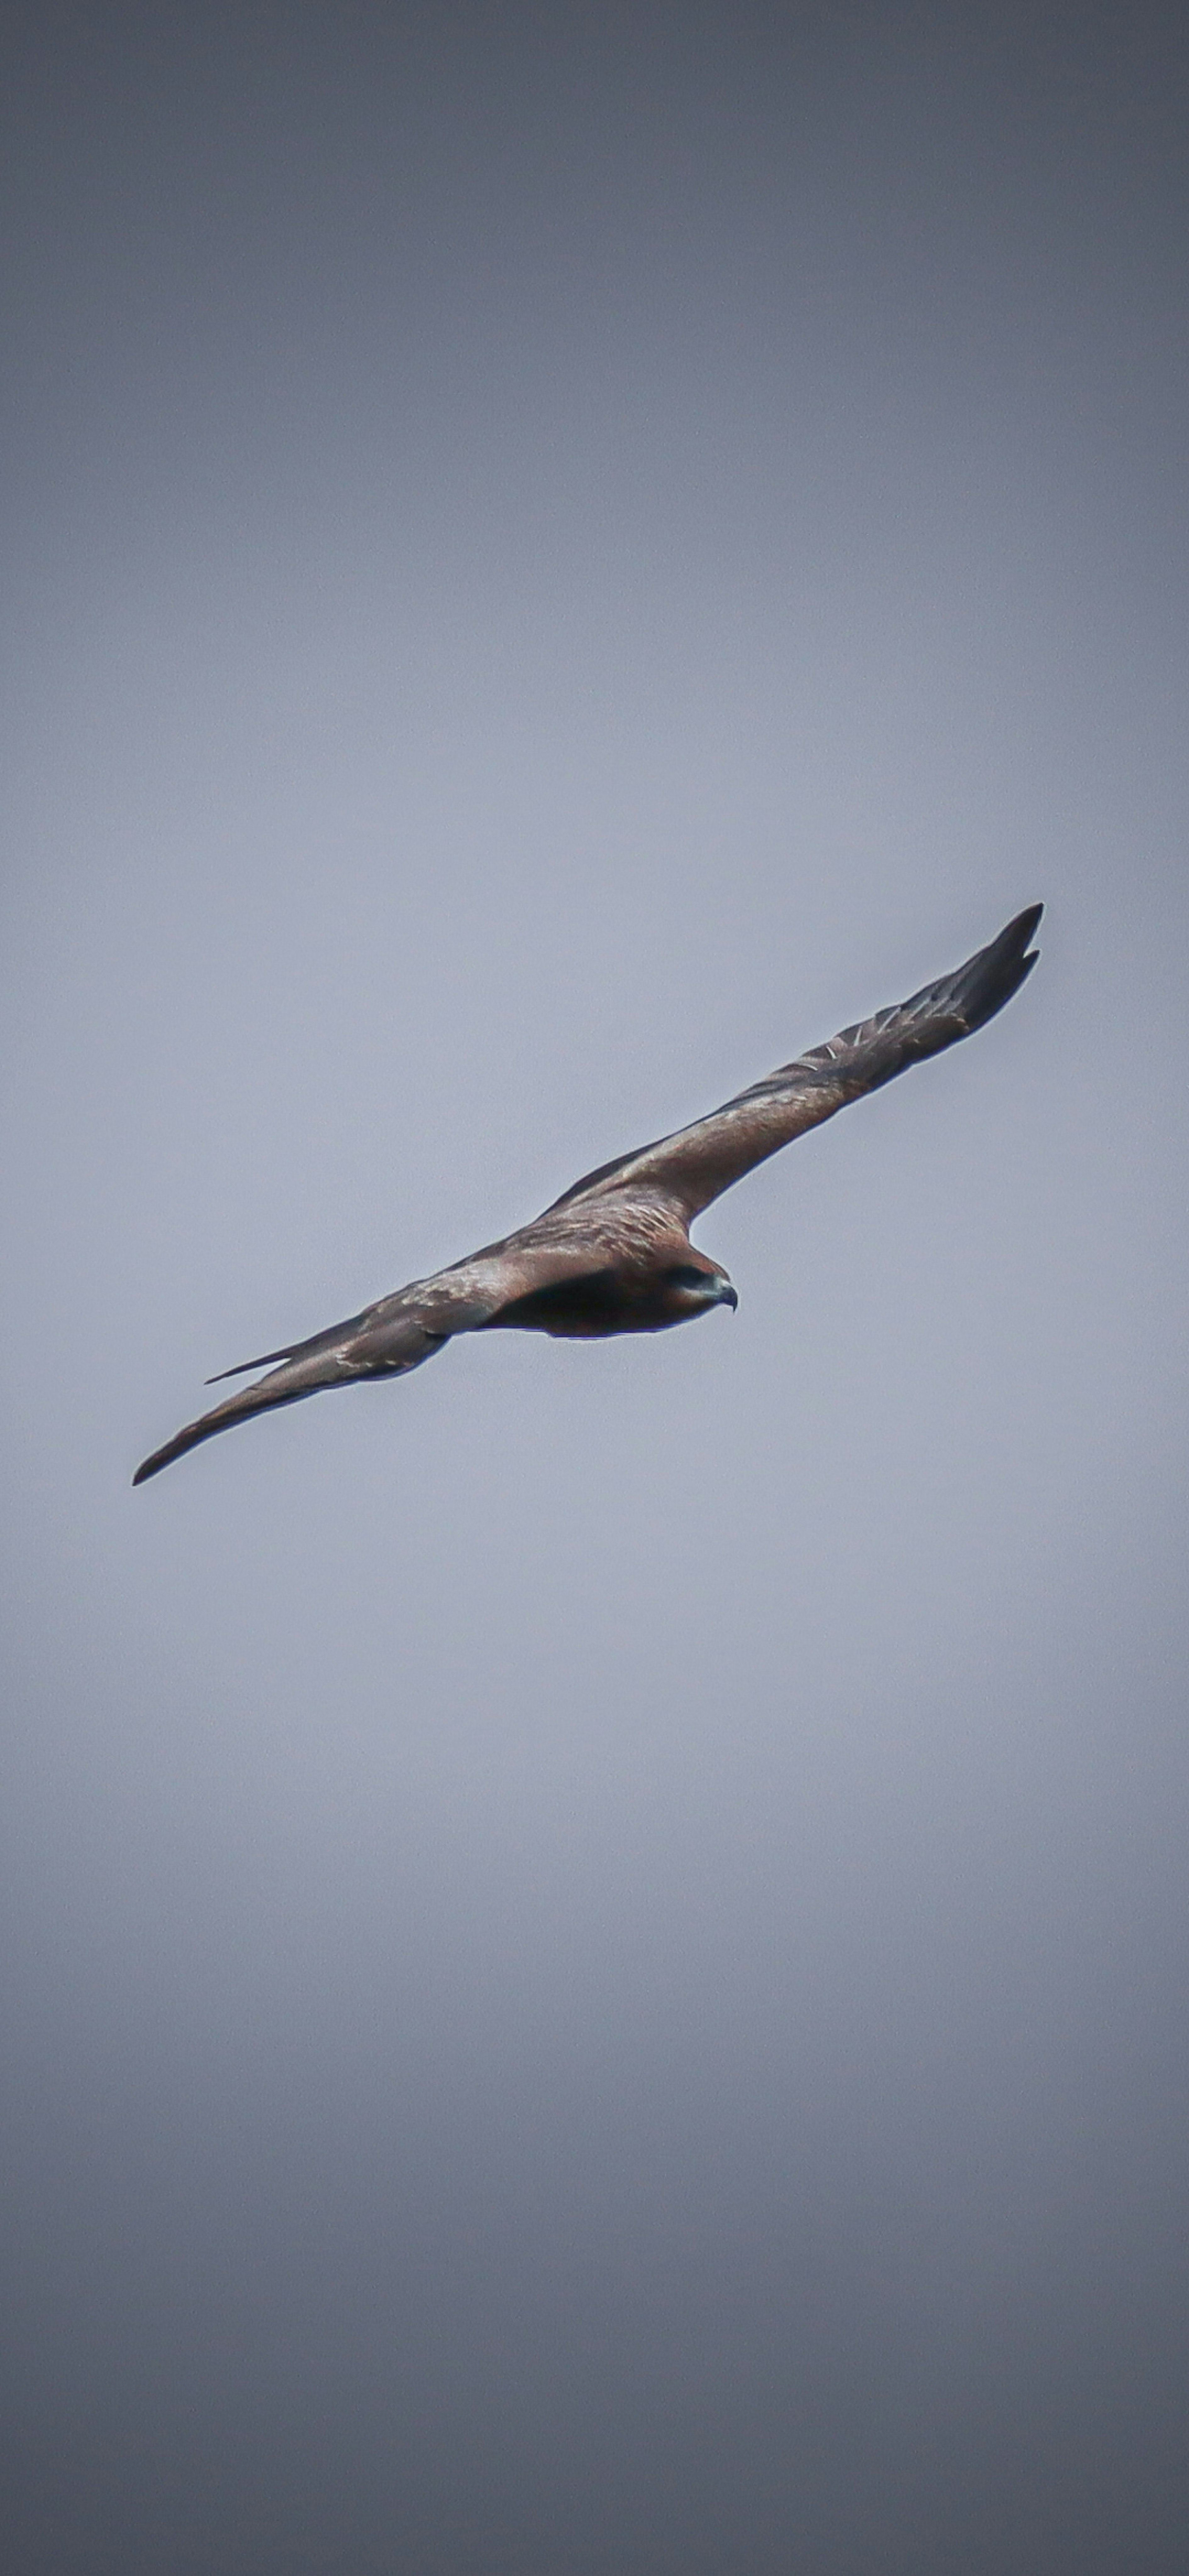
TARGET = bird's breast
(592,1308)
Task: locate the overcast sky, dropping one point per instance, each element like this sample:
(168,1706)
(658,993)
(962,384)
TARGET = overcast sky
(594,1945)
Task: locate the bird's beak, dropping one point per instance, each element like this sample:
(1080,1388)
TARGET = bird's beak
(727,1296)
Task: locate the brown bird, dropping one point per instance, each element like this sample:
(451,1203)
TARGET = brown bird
(613,1255)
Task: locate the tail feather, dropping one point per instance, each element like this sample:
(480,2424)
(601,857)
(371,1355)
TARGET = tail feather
(330,1338)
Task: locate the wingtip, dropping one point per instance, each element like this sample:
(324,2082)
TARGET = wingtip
(1025,925)
(152,1466)
(1010,953)
(988,980)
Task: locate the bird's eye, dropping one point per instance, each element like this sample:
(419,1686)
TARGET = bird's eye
(684,1275)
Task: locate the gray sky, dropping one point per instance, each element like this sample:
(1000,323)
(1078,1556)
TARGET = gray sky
(594,1944)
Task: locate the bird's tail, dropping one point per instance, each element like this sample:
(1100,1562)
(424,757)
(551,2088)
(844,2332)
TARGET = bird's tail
(332,1338)
(346,1364)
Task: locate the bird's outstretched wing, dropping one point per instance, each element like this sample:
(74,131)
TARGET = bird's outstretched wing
(334,1358)
(396,1334)
(695,1165)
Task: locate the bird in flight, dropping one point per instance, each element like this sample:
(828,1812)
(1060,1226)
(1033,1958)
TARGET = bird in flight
(613,1254)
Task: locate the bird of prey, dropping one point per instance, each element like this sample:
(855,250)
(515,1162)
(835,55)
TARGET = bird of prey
(613,1254)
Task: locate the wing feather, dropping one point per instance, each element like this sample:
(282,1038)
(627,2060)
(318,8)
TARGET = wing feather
(388,1339)
(694,1166)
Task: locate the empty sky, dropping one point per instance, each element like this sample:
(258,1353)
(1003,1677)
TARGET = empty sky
(594,1944)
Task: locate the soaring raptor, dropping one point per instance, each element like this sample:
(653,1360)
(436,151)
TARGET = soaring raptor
(613,1255)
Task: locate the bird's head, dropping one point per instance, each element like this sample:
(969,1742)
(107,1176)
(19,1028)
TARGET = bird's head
(693,1286)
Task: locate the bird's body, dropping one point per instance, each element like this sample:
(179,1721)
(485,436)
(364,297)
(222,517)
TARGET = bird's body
(613,1254)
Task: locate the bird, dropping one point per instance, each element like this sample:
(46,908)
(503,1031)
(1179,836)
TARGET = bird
(613,1253)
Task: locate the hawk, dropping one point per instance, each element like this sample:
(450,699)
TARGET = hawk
(613,1254)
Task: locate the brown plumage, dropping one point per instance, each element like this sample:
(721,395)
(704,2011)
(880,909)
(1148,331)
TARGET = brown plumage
(613,1255)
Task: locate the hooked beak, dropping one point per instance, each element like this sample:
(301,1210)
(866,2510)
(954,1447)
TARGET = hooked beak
(727,1295)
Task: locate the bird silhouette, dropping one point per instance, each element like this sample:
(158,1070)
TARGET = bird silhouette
(613,1254)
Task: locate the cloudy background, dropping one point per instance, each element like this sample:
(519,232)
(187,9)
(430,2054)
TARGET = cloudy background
(594,1944)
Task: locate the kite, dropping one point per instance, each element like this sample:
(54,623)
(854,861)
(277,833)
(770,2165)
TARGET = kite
(613,1254)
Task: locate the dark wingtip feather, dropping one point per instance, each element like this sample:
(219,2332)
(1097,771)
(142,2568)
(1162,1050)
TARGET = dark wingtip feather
(162,1458)
(988,981)
(285,1386)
